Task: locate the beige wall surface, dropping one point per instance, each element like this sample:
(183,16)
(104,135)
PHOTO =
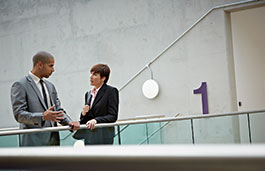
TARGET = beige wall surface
(249,55)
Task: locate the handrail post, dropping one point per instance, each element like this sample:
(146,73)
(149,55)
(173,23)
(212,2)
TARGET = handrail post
(147,138)
(119,134)
(192,131)
(249,129)
(160,128)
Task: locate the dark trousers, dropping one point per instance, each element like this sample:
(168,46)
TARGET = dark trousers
(100,136)
(96,136)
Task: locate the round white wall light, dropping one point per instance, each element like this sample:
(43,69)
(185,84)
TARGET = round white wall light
(150,89)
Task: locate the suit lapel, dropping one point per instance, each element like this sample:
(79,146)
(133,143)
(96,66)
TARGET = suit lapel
(100,94)
(37,91)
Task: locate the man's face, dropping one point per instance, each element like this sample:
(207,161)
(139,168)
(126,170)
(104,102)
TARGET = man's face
(47,68)
(96,80)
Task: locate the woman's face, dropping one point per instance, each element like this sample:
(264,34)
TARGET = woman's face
(96,80)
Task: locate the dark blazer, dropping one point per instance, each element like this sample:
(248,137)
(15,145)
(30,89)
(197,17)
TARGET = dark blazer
(28,107)
(104,110)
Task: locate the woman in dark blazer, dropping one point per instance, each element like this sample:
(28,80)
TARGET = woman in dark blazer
(101,106)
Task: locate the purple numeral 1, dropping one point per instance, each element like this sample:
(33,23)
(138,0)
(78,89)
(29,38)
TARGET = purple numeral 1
(203,90)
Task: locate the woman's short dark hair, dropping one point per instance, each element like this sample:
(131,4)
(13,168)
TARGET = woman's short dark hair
(102,69)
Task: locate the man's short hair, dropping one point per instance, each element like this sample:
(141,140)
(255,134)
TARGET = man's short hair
(102,69)
(42,56)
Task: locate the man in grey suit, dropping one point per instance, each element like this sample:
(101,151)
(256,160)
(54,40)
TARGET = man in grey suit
(36,105)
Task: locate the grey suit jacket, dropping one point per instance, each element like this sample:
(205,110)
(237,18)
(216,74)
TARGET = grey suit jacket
(28,107)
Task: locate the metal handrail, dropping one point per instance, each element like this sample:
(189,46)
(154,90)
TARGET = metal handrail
(142,117)
(8,129)
(184,33)
(166,119)
(125,119)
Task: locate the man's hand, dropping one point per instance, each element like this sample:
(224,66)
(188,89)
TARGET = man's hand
(91,124)
(75,125)
(85,110)
(51,115)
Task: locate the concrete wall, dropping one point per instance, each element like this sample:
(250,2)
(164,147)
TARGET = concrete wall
(126,35)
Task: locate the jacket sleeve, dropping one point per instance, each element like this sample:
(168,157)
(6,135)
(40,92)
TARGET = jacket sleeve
(112,108)
(20,107)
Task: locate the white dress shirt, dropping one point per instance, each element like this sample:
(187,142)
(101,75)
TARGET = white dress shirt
(37,81)
(94,95)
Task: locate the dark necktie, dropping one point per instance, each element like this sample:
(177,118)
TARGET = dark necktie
(44,93)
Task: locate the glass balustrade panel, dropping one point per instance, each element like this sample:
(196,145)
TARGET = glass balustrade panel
(257,123)
(154,135)
(133,134)
(9,141)
(243,129)
(218,130)
(176,132)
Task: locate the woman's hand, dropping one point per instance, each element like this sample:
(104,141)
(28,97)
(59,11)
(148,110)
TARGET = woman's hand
(91,124)
(85,110)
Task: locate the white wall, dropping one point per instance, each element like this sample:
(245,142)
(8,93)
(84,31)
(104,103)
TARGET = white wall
(126,35)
